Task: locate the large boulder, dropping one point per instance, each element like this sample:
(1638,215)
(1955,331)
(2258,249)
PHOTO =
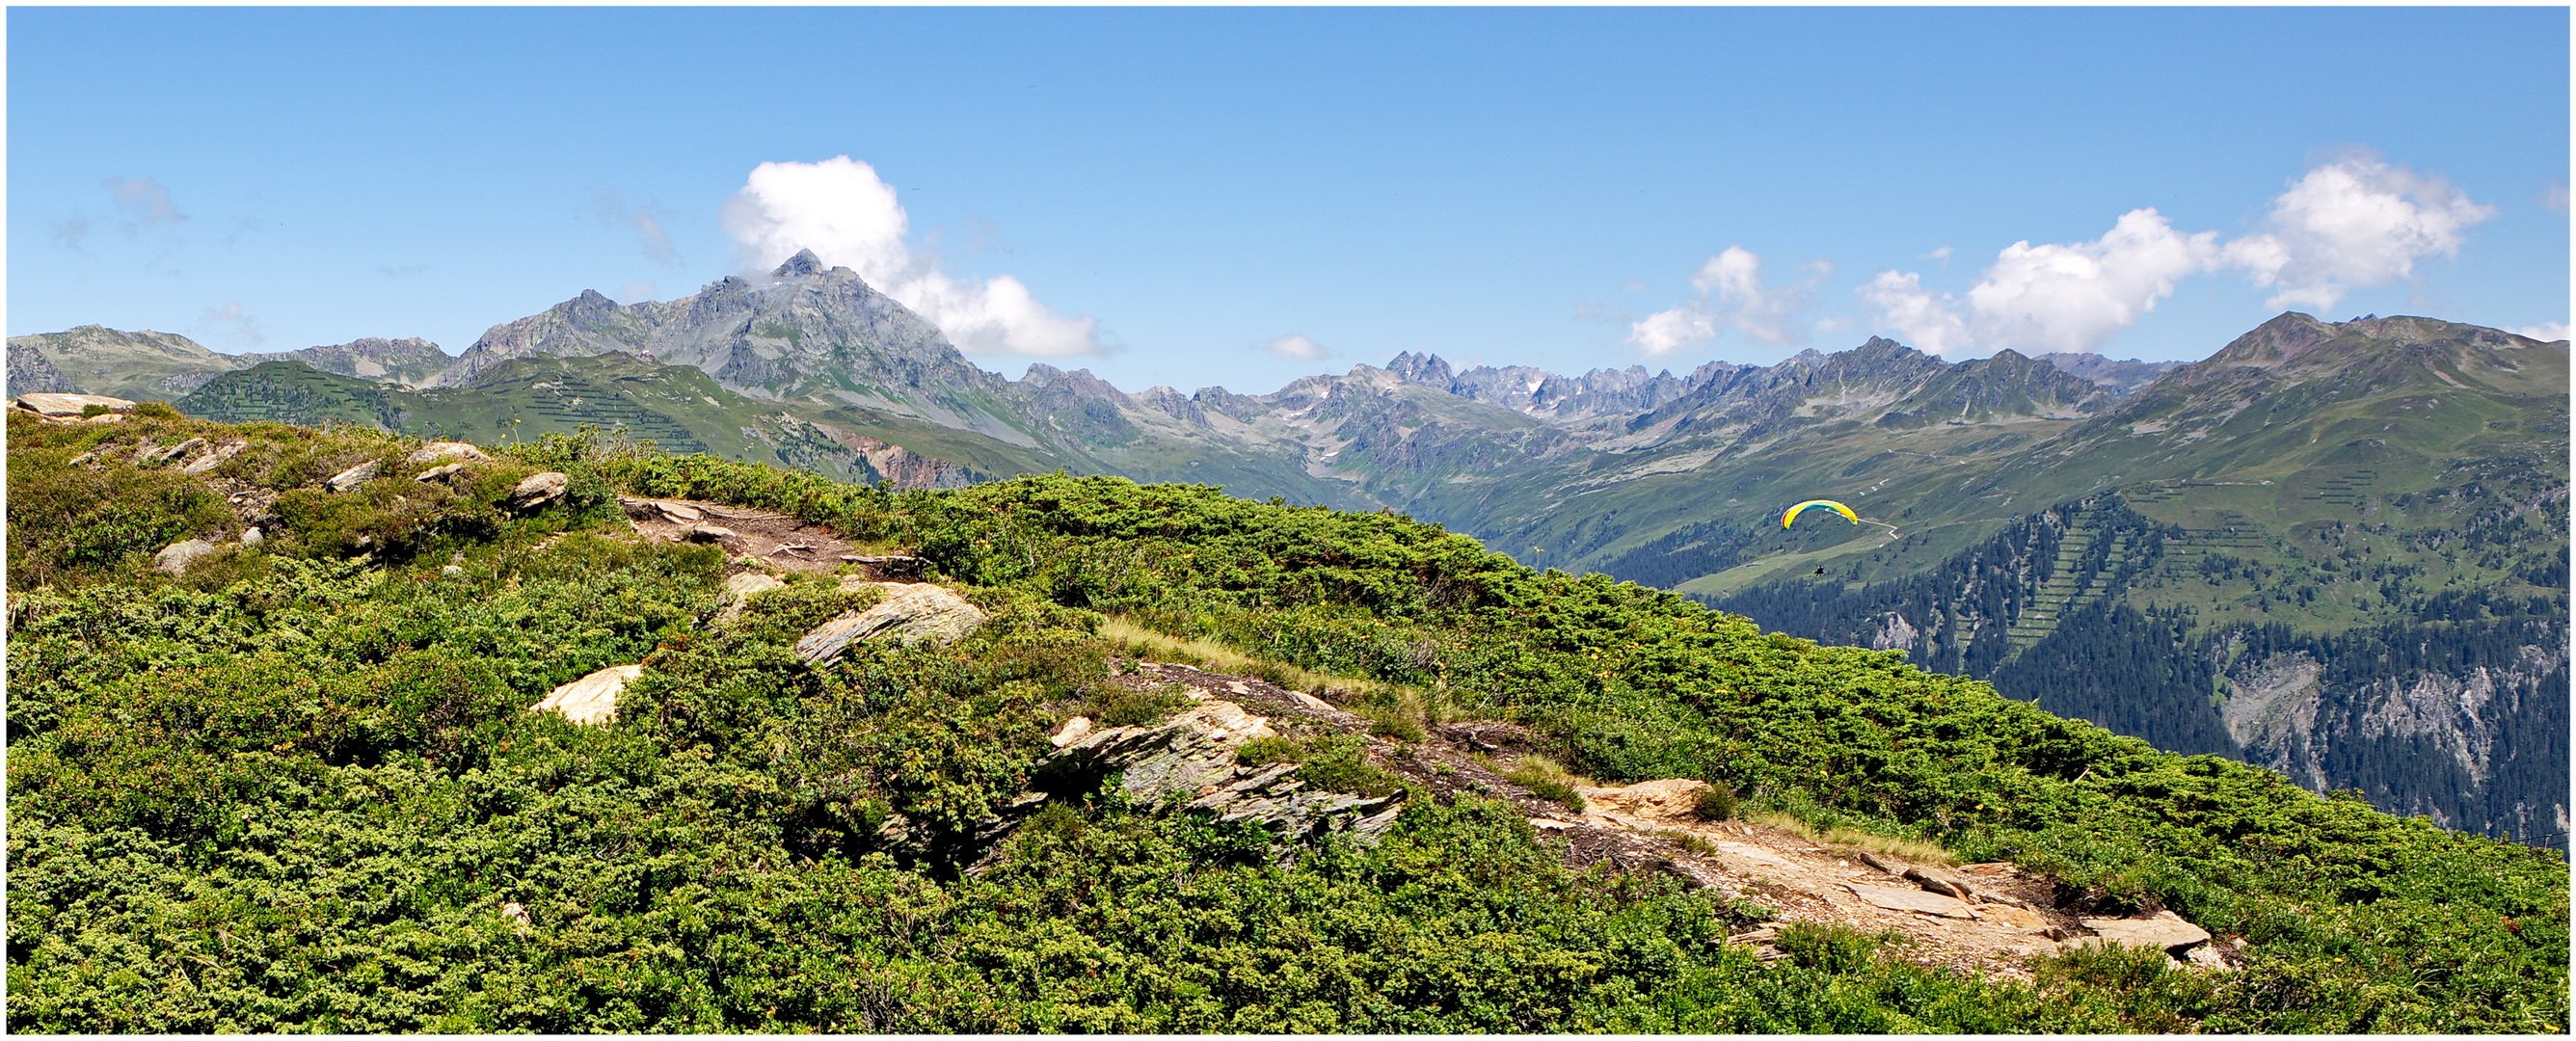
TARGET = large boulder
(539,491)
(63,406)
(592,698)
(910,613)
(445,452)
(354,476)
(176,557)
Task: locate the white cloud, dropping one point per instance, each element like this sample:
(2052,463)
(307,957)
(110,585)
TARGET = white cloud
(2545,332)
(232,325)
(1728,290)
(1921,318)
(1297,348)
(1664,332)
(1941,254)
(2073,297)
(2554,197)
(842,211)
(143,198)
(2354,222)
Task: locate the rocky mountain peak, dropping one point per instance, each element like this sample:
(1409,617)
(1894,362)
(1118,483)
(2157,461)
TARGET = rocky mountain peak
(803,265)
(1422,368)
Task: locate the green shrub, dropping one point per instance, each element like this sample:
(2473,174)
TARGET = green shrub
(1263,751)
(1715,802)
(1547,779)
(1125,707)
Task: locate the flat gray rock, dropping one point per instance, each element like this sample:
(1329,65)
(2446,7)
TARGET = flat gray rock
(1916,900)
(176,557)
(62,405)
(2164,929)
(908,614)
(539,491)
(354,476)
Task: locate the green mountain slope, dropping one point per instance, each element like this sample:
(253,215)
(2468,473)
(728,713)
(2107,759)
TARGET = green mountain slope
(2338,479)
(296,785)
(2284,524)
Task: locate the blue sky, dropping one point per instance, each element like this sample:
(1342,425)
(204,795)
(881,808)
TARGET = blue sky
(1242,196)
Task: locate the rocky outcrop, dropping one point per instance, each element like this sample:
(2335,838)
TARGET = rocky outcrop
(1189,762)
(592,698)
(910,613)
(31,373)
(1194,755)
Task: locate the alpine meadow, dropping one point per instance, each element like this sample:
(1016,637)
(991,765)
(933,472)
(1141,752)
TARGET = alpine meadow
(1667,538)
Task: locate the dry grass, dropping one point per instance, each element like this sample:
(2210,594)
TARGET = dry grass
(1386,699)
(1908,849)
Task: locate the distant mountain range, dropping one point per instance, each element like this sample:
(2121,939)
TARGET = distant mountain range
(2339,549)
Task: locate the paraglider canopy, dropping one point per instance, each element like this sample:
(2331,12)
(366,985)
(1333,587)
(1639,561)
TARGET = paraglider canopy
(1790,517)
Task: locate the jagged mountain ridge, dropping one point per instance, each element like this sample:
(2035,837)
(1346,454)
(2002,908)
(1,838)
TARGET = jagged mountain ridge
(1674,480)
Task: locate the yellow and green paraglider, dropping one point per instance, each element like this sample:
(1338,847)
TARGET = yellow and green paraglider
(1791,517)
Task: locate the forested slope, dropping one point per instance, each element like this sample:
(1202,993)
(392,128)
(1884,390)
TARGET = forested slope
(295,785)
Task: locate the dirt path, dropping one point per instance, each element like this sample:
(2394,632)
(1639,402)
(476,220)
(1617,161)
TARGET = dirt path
(2000,918)
(774,540)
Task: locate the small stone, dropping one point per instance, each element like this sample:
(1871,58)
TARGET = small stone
(161,456)
(1933,883)
(516,915)
(441,473)
(252,537)
(1073,730)
(176,557)
(678,512)
(444,451)
(709,533)
(354,476)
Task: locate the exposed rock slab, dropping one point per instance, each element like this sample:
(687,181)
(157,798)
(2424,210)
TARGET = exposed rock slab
(909,614)
(70,406)
(1916,900)
(2164,929)
(592,698)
